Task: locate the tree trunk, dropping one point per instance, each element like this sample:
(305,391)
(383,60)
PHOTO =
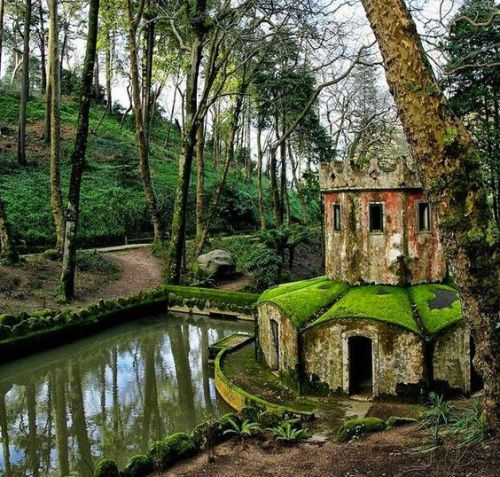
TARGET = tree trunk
(200,179)
(173,263)
(78,157)
(141,109)
(285,206)
(449,169)
(25,89)
(260,157)
(2,14)
(8,252)
(43,62)
(55,127)
(109,73)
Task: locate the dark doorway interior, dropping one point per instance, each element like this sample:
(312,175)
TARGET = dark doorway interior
(276,345)
(476,382)
(360,366)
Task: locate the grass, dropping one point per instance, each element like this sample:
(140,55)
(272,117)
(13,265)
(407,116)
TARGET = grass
(278,290)
(377,302)
(113,205)
(435,319)
(304,303)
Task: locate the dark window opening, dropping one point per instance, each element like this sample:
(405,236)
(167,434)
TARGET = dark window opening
(336,218)
(276,345)
(424,217)
(476,382)
(360,366)
(376,218)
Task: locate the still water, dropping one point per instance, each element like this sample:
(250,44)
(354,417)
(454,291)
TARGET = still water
(109,395)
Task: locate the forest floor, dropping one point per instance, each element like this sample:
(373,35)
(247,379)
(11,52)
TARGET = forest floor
(392,453)
(33,284)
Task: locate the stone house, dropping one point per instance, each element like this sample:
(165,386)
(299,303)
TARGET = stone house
(381,322)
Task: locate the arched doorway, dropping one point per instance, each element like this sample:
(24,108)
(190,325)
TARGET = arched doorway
(360,366)
(476,382)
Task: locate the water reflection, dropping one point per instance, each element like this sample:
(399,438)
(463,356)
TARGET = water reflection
(110,395)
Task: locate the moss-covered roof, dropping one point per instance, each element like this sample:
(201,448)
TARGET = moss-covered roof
(437,305)
(376,302)
(304,302)
(316,301)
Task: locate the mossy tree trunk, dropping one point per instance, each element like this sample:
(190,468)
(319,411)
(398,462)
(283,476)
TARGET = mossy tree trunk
(2,14)
(200,180)
(8,251)
(25,87)
(55,125)
(78,157)
(141,109)
(449,168)
(260,157)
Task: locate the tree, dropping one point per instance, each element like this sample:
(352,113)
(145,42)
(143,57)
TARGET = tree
(8,252)
(473,83)
(2,14)
(142,106)
(78,157)
(25,86)
(450,171)
(55,126)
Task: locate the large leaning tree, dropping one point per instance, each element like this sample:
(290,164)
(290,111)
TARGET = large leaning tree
(449,168)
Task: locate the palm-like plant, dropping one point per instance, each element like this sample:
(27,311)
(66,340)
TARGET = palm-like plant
(243,430)
(287,433)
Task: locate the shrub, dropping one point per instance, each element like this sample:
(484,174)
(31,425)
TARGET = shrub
(250,412)
(139,466)
(439,412)
(9,320)
(106,468)
(470,425)
(242,430)
(356,427)
(265,264)
(96,262)
(288,433)
(270,418)
(171,449)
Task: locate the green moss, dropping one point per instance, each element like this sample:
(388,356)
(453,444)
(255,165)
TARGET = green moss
(302,304)
(139,466)
(357,427)
(377,302)
(434,319)
(213,295)
(289,287)
(106,468)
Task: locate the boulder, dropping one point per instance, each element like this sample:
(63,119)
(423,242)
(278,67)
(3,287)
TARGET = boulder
(219,263)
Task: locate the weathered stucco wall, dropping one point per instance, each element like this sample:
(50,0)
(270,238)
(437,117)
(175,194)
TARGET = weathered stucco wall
(288,344)
(397,356)
(398,255)
(451,359)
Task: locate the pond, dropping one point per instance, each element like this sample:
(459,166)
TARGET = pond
(110,395)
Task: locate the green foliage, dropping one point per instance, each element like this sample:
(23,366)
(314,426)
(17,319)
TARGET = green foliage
(270,418)
(470,425)
(106,468)
(171,449)
(438,413)
(355,428)
(206,434)
(139,466)
(287,433)
(265,265)
(241,429)
(96,262)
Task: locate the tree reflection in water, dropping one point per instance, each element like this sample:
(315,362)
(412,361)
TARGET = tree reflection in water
(109,395)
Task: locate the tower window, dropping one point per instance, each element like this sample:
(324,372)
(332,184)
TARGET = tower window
(376,217)
(423,217)
(336,218)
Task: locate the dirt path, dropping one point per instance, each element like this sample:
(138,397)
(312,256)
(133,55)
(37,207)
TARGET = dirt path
(389,454)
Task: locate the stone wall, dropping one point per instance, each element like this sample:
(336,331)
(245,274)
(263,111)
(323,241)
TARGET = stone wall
(398,255)
(288,344)
(397,356)
(451,359)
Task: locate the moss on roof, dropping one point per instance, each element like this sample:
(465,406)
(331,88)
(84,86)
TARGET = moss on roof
(289,287)
(437,305)
(304,302)
(378,302)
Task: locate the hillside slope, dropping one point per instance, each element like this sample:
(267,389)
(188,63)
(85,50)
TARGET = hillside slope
(113,205)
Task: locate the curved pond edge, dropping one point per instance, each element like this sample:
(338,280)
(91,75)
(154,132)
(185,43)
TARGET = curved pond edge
(23,334)
(238,398)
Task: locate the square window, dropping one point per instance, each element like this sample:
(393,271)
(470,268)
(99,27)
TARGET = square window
(423,217)
(376,217)
(337,225)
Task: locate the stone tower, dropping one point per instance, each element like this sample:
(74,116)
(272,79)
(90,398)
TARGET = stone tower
(379,227)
